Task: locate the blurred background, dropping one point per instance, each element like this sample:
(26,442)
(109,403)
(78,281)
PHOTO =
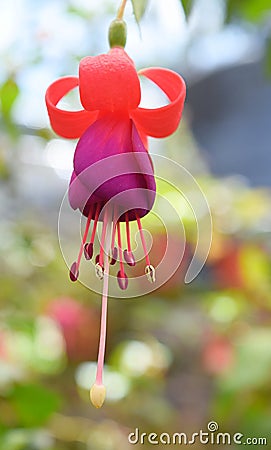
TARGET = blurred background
(185,354)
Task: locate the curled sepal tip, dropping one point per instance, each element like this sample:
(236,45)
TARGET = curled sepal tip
(97,395)
(150,272)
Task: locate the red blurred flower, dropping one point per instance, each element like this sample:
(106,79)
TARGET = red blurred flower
(218,355)
(79,326)
(227,268)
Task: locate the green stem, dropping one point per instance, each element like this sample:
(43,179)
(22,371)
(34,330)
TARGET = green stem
(121,10)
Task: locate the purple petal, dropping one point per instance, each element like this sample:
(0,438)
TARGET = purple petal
(79,196)
(78,193)
(111,146)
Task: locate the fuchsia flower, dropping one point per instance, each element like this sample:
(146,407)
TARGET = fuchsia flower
(113,178)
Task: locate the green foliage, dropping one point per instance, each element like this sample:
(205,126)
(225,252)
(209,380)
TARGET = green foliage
(139,8)
(34,403)
(252,10)
(26,439)
(187,6)
(268,58)
(9,92)
(4,169)
(253,346)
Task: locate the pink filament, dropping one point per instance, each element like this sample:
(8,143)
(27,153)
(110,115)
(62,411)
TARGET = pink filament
(114,231)
(143,241)
(84,239)
(98,208)
(120,251)
(128,233)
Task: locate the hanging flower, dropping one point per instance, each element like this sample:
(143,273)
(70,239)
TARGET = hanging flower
(113,178)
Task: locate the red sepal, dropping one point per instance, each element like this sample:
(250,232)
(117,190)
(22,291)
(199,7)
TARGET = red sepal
(163,121)
(109,82)
(68,124)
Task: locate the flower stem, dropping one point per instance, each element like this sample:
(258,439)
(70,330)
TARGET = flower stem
(121,10)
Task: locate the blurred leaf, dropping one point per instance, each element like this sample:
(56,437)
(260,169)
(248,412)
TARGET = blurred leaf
(268,58)
(5,172)
(232,9)
(78,11)
(187,6)
(255,268)
(9,92)
(252,10)
(44,133)
(253,346)
(139,8)
(34,403)
(23,439)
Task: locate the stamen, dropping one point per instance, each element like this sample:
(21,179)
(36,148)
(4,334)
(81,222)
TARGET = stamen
(122,280)
(129,258)
(99,271)
(150,272)
(143,241)
(121,276)
(120,249)
(98,209)
(114,256)
(149,269)
(114,250)
(101,258)
(114,232)
(128,232)
(128,254)
(97,391)
(88,248)
(74,270)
